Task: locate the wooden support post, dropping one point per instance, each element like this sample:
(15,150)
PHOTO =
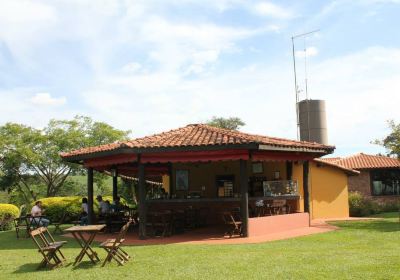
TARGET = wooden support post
(171,180)
(244,197)
(306,192)
(142,202)
(90,195)
(289,170)
(115,185)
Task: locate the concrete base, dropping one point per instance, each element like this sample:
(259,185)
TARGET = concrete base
(273,224)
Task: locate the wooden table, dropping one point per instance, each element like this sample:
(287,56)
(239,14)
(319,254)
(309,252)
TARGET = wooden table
(79,234)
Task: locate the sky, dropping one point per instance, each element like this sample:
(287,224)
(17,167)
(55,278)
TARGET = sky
(151,66)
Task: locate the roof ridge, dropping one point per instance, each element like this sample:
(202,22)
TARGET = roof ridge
(238,134)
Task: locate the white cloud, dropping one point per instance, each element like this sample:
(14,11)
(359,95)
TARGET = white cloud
(17,107)
(176,81)
(45,99)
(272,10)
(359,99)
(131,67)
(12,11)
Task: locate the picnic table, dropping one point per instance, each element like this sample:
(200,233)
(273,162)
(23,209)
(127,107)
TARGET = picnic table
(85,235)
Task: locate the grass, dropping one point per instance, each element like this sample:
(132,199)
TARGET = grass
(359,250)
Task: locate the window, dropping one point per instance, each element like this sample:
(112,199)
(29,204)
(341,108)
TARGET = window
(385,182)
(225,185)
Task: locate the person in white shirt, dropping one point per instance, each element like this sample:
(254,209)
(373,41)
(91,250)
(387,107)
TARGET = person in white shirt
(104,208)
(84,212)
(37,213)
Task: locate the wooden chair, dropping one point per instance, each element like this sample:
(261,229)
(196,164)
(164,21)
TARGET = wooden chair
(113,247)
(178,221)
(203,215)
(48,247)
(159,223)
(278,206)
(57,225)
(22,223)
(234,225)
(190,218)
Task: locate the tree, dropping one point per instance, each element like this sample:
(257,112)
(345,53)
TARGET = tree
(232,123)
(13,150)
(27,152)
(392,141)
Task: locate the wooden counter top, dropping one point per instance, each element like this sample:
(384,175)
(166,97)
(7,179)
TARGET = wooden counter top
(222,199)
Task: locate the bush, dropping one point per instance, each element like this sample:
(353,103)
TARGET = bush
(389,207)
(361,206)
(56,206)
(8,211)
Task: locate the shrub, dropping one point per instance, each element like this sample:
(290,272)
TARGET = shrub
(389,207)
(8,211)
(361,206)
(56,206)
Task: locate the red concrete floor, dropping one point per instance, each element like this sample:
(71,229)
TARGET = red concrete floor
(213,235)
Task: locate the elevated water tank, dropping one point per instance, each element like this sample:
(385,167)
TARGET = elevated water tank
(312,121)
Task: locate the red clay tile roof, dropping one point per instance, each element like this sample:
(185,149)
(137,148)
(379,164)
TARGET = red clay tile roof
(331,162)
(331,159)
(364,161)
(201,135)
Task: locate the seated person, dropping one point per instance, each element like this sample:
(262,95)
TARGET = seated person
(108,206)
(84,212)
(116,206)
(104,208)
(37,212)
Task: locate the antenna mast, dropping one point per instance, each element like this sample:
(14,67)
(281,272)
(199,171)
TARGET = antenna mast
(296,88)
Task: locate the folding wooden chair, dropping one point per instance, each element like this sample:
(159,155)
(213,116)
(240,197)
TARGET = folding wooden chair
(234,225)
(113,247)
(48,248)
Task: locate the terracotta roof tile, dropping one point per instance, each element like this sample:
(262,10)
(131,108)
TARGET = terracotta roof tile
(333,163)
(201,135)
(330,159)
(364,161)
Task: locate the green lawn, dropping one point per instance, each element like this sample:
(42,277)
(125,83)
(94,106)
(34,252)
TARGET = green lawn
(359,250)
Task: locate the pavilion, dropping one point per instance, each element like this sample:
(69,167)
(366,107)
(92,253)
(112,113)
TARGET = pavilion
(208,166)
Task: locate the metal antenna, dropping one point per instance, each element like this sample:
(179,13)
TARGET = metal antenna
(296,88)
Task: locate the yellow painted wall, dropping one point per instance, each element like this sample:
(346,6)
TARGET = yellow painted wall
(165,182)
(298,176)
(328,191)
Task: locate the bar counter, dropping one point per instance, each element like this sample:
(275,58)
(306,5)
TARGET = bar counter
(215,206)
(221,199)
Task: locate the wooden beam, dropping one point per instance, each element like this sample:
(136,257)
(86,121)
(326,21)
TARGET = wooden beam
(306,167)
(142,202)
(115,185)
(137,151)
(90,195)
(244,197)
